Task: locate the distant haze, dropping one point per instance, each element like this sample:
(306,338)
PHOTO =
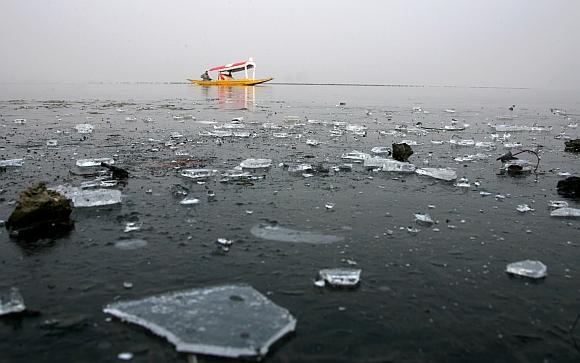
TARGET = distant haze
(520,43)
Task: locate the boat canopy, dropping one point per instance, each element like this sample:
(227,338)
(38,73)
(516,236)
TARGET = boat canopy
(234,67)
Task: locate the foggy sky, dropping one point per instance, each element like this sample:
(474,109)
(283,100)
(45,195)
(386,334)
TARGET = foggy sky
(519,43)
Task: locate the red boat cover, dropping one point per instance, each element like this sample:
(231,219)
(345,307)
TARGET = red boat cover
(231,66)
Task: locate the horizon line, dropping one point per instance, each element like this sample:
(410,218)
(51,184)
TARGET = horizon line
(346,84)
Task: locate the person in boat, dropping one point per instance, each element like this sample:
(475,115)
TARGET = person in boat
(224,76)
(205,76)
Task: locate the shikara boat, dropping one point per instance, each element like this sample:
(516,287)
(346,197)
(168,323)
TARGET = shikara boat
(224,77)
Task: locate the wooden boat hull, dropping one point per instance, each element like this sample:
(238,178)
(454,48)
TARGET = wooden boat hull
(230,82)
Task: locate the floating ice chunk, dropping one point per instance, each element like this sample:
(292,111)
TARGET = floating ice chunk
(130,118)
(94,162)
(84,128)
(478,156)
(51,143)
(523,208)
(450,110)
(398,166)
(463,183)
(256,163)
(225,241)
(341,277)
(189,201)
(11,302)
(198,174)
(438,173)
(485,144)
(130,244)
(312,142)
(555,204)
(229,126)
(566,212)
(281,135)
(424,219)
(20,121)
(381,150)
(125,356)
(458,142)
(14,163)
(516,128)
(512,145)
(282,234)
(355,155)
(299,169)
(90,198)
(227,321)
(528,268)
(242,134)
(238,119)
(408,142)
(132,226)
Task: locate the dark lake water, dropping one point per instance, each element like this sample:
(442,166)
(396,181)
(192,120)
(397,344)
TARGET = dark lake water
(435,293)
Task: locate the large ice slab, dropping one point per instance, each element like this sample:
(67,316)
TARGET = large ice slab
(90,198)
(227,321)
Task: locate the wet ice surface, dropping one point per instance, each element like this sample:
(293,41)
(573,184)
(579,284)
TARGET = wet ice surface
(227,321)
(528,268)
(421,282)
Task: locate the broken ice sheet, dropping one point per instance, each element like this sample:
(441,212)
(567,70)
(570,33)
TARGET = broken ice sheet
(256,163)
(438,173)
(566,213)
(528,268)
(341,277)
(83,163)
(11,302)
(132,226)
(89,198)
(275,232)
(227,321)
(11,163)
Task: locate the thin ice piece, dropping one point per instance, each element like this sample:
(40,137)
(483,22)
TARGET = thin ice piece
(256,163)
(11,302)
(566,213)
(528,268)
(227,321)
(282,234)
(11,163)
(341,277)
(94,162)
(438,173)
(90,198)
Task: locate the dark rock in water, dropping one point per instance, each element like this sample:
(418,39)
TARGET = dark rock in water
(572,146)
(118,173)
(401,152)
(40,213)
(569,187)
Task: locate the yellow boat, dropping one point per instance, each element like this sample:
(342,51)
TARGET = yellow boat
(225,78)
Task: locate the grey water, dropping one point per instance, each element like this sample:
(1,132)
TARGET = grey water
(437,292)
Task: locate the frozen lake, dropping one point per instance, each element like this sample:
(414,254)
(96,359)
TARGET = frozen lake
(434,292)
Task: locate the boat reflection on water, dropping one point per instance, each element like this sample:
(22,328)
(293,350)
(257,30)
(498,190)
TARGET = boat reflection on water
(228,97)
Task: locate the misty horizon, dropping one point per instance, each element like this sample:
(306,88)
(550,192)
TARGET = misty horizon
(514,44)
